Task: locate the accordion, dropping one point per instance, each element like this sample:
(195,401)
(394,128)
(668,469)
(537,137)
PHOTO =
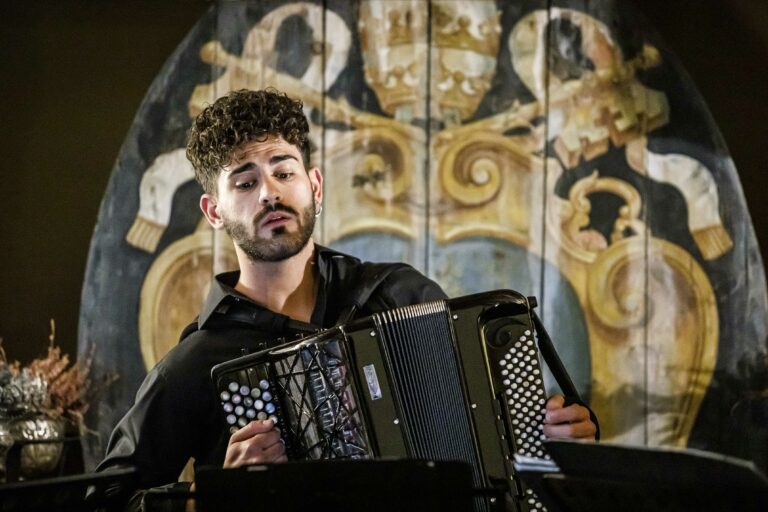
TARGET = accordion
(456,379)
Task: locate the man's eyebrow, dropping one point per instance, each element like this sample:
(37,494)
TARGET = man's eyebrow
(245,167)
(279,158)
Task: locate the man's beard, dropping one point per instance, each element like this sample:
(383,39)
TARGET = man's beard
(282,245)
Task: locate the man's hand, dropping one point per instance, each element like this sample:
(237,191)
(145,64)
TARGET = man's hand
(568,422)
(256,443)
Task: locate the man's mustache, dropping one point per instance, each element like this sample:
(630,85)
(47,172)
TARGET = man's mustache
(275,207)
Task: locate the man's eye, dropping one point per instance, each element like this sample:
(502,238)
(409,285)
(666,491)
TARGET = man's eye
(244,185)
(283,175)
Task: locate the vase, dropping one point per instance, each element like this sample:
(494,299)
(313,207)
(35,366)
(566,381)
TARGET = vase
(37,433)
(6,441)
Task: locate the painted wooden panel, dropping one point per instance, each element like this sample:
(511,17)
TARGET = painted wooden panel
(555,148)
(374,147)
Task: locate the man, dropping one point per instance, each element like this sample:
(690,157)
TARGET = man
(250,151)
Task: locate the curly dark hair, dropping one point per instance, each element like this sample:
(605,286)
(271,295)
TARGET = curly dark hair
(238,118)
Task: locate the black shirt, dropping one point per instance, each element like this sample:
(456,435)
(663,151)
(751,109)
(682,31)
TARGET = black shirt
(177,414)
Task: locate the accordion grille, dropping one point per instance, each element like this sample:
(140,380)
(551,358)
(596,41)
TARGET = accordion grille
(418,342)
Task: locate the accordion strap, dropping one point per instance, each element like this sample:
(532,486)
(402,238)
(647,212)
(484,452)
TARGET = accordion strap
(556,366)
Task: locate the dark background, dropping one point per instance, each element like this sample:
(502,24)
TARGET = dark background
(74,73)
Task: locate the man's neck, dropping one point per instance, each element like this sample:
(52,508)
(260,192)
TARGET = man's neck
(287,286)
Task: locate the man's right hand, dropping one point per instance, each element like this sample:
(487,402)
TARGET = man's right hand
(258,442)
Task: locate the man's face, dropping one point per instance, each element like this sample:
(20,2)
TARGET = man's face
(266,200)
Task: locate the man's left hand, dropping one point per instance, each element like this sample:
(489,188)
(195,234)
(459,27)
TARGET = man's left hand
(571,422)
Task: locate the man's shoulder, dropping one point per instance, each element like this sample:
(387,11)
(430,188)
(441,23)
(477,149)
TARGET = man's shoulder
(343,264)
(405,286)
(369,287)
(202,348)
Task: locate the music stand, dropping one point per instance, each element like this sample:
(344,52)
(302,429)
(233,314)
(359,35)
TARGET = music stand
(108,491)
(604,477)
(341,486)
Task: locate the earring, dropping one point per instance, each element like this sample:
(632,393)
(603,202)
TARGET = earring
(319,210)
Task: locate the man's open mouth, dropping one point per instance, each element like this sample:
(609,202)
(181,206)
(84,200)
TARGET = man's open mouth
(275,219)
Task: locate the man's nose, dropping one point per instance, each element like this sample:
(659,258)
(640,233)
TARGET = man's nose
(269,193)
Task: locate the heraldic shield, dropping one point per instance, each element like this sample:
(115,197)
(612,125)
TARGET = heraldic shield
(556,151)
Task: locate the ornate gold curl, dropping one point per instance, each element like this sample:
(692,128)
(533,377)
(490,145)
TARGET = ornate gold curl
(617,296)
(628,214)
(568,218)
(470,171)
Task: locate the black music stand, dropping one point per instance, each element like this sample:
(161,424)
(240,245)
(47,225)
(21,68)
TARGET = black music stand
(341,486)
(108,491)
(604,477)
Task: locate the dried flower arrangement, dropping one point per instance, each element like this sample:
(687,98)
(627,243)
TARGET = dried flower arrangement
(50,385)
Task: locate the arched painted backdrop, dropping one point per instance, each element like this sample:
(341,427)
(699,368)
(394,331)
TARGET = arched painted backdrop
(555,148)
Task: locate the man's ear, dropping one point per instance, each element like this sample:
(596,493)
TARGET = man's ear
(210,208)
(316,179)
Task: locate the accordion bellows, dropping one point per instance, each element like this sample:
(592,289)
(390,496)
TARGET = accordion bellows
(456,379)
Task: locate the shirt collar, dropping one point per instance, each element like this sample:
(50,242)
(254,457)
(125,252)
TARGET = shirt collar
(222,294)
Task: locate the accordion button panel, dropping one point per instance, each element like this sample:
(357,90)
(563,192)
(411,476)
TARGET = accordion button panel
(244,403)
